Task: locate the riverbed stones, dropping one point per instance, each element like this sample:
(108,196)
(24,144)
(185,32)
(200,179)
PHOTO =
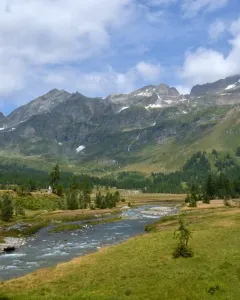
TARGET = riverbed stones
(11,244)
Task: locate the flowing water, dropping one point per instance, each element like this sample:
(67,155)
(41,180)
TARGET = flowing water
(48,249)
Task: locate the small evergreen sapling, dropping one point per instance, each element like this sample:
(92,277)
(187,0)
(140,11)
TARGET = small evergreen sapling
(182,234)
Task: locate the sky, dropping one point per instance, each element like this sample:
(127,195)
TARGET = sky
(102,47)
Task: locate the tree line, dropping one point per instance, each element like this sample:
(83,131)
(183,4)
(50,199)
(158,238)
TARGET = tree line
(195,171)
(77,195)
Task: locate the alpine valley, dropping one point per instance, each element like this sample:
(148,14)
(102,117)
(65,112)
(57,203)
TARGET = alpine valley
(153,129)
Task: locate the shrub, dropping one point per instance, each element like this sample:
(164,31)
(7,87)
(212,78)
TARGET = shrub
(214,152)
(192,203)
(7,208)
(92,206)
(206,199)
(19,208)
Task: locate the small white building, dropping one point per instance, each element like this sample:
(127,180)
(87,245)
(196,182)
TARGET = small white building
(50,190)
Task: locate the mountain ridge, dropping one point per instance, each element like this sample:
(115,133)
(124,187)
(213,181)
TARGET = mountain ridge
(121,131)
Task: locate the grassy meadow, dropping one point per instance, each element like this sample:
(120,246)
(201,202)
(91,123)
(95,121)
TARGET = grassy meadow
(143,268)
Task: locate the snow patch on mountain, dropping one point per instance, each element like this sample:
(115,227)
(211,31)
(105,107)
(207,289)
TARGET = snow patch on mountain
(153,106)
(168,101)
(144,94)
(231,86)
(2,128)
(80,148)
(123,108)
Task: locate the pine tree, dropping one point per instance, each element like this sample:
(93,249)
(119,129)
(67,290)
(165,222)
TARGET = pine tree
(54,178)
(117,196)
(210,187)
(72,200)
(7,208)
(99,200)
(182,234)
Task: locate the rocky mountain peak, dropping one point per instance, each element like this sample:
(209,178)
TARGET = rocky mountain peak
(222,86)
(41,105)
(164,89)
(151,96)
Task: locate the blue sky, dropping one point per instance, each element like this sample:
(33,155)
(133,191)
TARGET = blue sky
(99,47)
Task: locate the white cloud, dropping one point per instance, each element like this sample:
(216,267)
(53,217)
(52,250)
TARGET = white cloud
(59,31)
(102,83)
(183,90)
(148,71)
(11,74)
(235,27)
(36,34)
(43,42)
(161,2)
(192,7)
(216,29)
(207,65)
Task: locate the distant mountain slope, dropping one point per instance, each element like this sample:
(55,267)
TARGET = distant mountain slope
(222,86)
(153,128)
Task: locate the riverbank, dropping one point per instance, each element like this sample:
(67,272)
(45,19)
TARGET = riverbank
(143,267)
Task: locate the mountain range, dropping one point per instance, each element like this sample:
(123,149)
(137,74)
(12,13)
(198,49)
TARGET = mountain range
(152,129)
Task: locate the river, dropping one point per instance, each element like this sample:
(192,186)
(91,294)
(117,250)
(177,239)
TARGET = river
(48,249)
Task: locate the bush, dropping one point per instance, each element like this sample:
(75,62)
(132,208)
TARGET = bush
(59,191)
(206,199)
(214,152)
(7,208)
(192,202)
(92,207)
(19,208)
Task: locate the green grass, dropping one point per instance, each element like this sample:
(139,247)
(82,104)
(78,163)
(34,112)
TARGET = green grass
(153,226)
(143,267)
